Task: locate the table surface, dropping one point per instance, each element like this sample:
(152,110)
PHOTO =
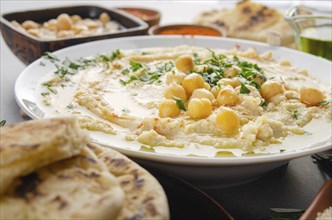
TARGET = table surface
(294,188)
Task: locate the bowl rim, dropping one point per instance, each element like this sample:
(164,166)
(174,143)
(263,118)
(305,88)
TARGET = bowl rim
(197,161)
(154,28)
(142,25)
(155,16)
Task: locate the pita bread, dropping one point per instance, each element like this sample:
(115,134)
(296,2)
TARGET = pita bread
(144,196)
(95,183)
(249,20)
(77,188)
(27,146)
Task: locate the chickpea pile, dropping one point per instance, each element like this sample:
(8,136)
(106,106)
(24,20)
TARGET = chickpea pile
(65,26)
(199,100)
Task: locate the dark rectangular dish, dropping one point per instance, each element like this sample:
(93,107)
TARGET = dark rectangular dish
(28,48)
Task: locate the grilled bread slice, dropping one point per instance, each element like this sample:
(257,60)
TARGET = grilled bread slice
(24,147)
(249,20)
(77,188)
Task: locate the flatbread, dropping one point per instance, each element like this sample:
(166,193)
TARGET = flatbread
(24,147)
(249,20)
(77,188)
(144,196)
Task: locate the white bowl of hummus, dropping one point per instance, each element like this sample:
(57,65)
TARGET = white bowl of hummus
(214,111)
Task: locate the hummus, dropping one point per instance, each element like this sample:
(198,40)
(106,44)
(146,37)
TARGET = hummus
(192,100)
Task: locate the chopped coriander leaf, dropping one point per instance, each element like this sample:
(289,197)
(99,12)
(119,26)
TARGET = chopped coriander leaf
(2,123)
(180,104)
(44,93)
(51,90)
(122,82)
(135,65)
(125,110)
(166,67)
(244,89)
(295,113)
(42,63)
(70,106)
(323,103)
(51,57)
(282,150)
(115,54)
(125,71)
(196,58)
(263,104)
(144,53)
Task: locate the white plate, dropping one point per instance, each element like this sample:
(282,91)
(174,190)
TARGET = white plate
(206,172)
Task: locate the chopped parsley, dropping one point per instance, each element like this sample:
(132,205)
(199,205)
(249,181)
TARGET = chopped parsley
(51,57)
(295,113)
(323,103)
(264,104)
(180,104)
(244,89)
(135,65)
(2,123)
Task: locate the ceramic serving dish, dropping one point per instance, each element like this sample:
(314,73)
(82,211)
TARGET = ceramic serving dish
(28,48)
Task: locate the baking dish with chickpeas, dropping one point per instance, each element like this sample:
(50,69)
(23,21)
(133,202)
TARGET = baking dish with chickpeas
(187,100)
(31,33)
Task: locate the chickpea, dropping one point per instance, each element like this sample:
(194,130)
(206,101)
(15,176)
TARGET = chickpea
(230,72)
(75,18)
(104,17)
(215,91)
(184,63)
(64,33)
(64,22)
(30,25)
(175,90)
(33,32)
(207,86)
(311,96)
(168,108)
(51,25)
(228,121)
(192,82)
(202,93)
(227,96)
(178,77)
(234,82)
(199,108)
(270,89)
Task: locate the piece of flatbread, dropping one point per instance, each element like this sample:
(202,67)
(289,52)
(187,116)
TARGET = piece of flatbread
(144,196)
(24,147)
(249,20)
(77,188)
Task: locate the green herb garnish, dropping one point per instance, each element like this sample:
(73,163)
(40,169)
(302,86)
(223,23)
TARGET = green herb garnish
(244,89)
(135,65)
(51,57)
(295,113)
(323,103)
(2,123)
(264,104)
(180,104)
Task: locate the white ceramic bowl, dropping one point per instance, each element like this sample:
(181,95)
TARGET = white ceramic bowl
(205,172)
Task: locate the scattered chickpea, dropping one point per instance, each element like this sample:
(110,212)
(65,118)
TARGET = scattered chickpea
(234,82)
(192,82)
(168,108)
(230,72)
(184,63)
(175,90)
(33,32)
(64,33)
(30,25)
(207,86)
(202,93)
(199,108)
(51,25)
(104,17)
(64,22)
(75,18)
(311,96)
(228,121)
(227,96)
(270,89)
(215,91)
(178,77)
